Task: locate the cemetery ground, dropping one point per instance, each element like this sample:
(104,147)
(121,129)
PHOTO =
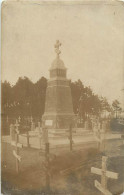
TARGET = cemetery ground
(75,181)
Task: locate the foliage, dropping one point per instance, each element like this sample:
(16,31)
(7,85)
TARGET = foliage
(116,107)
(84,101)
(26,98)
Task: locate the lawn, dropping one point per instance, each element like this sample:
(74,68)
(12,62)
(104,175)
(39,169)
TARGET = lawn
(31,177)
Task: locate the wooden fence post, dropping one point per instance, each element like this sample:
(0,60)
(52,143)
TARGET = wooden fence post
(39,130)
(70,137)
(12,132)
(17,152)
(28,144)
(47,162)
(48,166)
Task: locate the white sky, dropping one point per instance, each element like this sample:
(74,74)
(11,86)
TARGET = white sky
(92,38)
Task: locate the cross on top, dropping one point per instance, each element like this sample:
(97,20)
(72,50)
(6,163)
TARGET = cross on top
(57,45)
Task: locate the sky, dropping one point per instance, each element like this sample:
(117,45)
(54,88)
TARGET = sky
(92,37)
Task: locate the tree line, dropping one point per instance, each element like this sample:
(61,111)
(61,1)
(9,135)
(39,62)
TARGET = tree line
(26,98)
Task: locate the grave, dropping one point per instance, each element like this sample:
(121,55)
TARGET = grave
(59,115)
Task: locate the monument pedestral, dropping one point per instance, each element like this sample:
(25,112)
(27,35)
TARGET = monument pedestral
(58,105)
(58,121)
(59,115)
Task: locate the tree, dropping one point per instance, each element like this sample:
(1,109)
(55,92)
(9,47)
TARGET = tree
(105,106)
(84,101)
(6,97)
(116,107)
(76,90)
(26,98)
(23,92)
(40,94)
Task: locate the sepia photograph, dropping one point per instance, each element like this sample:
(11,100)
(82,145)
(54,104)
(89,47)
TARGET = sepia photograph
(62,97)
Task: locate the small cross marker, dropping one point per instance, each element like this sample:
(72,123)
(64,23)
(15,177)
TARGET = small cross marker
(104,176)
(17,125)
(19,119)
(15,143)
(16,155)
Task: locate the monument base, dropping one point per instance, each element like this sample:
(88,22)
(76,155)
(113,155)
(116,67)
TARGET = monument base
(59,140)
(58,121)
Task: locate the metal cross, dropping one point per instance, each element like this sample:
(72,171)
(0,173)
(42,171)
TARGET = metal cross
(57,45)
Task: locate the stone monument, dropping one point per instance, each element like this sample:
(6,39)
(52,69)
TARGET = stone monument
(58,105)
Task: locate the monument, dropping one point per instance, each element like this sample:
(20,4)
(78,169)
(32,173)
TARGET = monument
(58,106)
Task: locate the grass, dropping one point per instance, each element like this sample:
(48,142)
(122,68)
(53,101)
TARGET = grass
(31,178)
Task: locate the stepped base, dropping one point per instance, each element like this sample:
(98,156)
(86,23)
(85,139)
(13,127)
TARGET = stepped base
(58,121)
